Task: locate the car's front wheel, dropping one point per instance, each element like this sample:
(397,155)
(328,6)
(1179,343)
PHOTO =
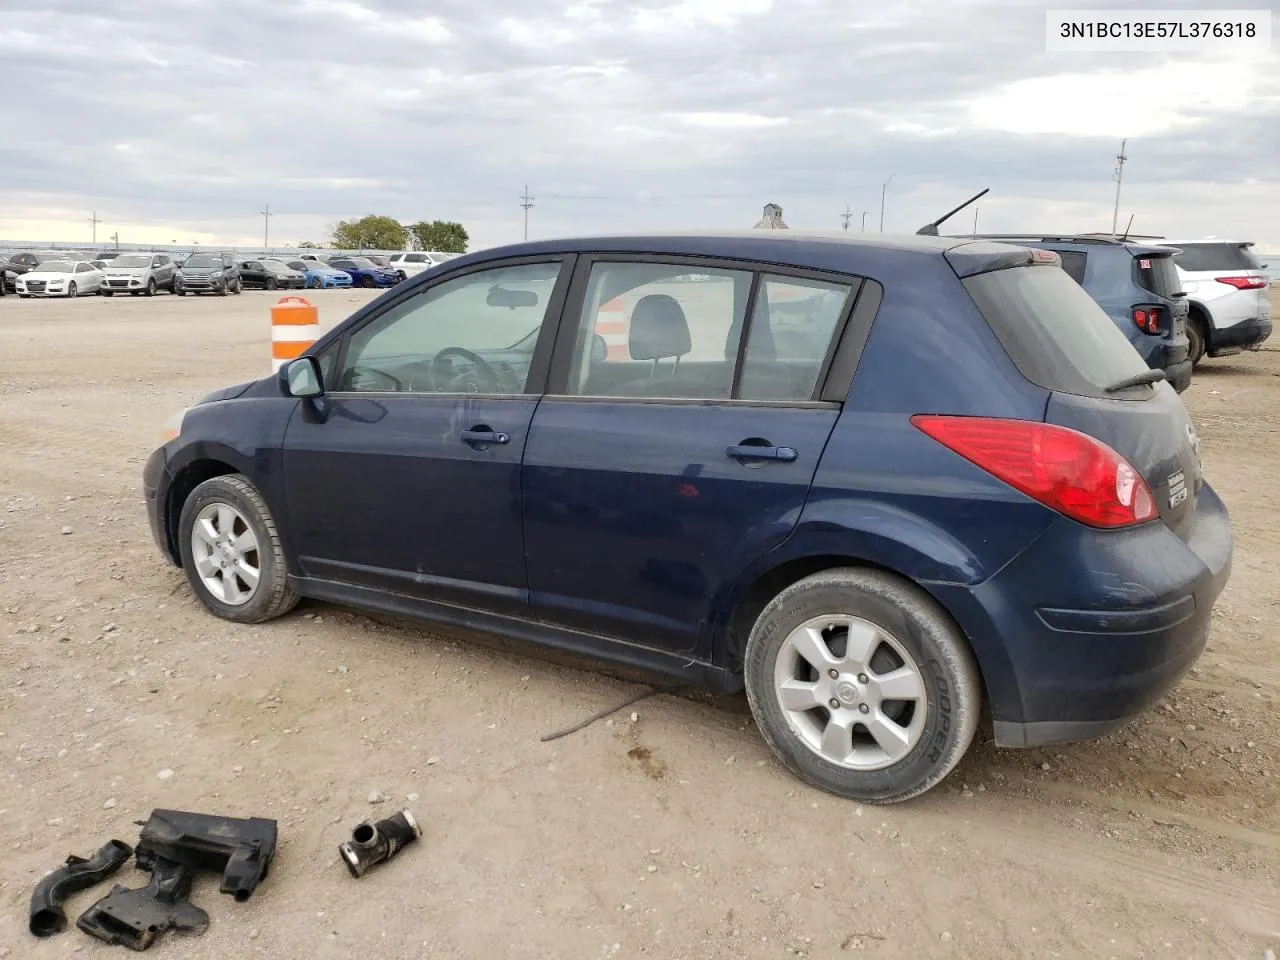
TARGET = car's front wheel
(72,291)
(231,551)
(862,685)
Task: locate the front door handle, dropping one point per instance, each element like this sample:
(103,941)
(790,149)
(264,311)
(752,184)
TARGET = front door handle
(482,436)
(748,451)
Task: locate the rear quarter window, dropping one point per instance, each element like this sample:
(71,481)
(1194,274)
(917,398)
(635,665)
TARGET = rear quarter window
(1158,275)
(1204,257)
(1053,331)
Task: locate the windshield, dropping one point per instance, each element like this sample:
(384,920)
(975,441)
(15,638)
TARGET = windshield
(56,266)
(202,260)
(1197,257)
(46,257)
(1054,332)
(364,262)
(131,260)
(301,265)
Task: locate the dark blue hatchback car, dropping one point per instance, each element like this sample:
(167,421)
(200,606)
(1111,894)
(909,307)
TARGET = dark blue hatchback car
(876,483)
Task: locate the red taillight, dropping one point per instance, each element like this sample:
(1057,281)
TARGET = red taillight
(1147,319)
(1244,283)
(1063,469)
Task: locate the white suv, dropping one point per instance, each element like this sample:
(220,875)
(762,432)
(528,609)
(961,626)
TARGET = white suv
(411,264)
(1226,288)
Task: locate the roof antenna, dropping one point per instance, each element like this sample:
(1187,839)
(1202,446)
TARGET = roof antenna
(931,229)
(1127,227)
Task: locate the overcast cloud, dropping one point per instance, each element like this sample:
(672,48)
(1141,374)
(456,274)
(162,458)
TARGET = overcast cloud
(179,120)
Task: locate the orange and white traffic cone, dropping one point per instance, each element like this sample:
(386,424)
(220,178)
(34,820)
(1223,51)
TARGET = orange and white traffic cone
(611,324)
(295,325)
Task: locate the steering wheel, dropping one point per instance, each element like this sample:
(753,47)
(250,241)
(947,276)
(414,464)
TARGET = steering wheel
(481,378)
(358,373)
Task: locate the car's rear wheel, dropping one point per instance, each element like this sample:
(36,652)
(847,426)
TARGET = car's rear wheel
(231,551)
(1195,339)
(862,685)
(401,276)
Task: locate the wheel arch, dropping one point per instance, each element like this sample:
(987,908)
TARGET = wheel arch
(184,481)
(753,591)
(1199,314)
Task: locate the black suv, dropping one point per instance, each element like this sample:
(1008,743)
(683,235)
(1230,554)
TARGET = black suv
(1136,284)
(208,273)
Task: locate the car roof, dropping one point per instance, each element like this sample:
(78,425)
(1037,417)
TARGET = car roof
(821,250)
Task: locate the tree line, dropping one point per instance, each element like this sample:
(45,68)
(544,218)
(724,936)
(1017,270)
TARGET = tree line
(386,233)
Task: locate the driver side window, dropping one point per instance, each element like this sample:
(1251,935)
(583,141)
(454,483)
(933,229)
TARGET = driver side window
(471,334)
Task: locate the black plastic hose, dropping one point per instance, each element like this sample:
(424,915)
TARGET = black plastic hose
(372,843)
(47,916)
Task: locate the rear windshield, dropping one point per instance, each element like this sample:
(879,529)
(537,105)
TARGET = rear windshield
(1158,275)
(1196,257)
(1054,332)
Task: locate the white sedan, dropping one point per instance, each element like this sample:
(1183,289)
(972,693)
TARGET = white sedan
(61,278)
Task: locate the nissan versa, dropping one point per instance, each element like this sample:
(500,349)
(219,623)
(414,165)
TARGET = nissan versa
(877,483)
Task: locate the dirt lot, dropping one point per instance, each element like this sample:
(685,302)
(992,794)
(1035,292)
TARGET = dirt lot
(675,835)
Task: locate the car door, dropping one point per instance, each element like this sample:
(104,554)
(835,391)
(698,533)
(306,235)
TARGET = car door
(164,269)
(253,273)
(670,452)
(406,477)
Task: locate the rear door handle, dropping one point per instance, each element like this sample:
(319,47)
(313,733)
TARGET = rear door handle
(746,451)
(480,437)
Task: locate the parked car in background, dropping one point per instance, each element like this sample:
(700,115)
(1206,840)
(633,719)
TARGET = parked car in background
(1227,296)
(378,260)
(60,278)
(10,270)
(413,263)
(270,275)
(969,494)
(319,274)
(140,273)
(45,256)
(208,273)
(1138,287)
(364,272)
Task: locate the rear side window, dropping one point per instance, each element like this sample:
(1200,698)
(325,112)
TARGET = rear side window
(1073,262)
(1200,257)
(1054,332)
(1158,275)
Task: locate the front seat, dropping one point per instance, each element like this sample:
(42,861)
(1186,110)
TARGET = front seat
(658,331)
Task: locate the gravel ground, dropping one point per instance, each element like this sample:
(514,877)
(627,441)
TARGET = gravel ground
(665,833)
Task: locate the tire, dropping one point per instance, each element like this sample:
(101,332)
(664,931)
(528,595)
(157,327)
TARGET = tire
(314,283)
(238,288)
(1195,340)
(107,293)
(936,725)
(271,597)
(401,276)
(72,290)
(179,291)
(367,282)
(151,287)
(223,290)
(271,284)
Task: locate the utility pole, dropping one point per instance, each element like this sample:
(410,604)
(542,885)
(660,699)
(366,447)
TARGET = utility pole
(864,220)
(1118,176)
(94,220)
(883,190)
(266,224)
(526,201)
(975,221)
(846,216)
(116,237)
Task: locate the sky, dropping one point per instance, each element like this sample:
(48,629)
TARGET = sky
(181,121)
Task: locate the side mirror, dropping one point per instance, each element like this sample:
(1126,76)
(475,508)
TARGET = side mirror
(599,349)
(302,377)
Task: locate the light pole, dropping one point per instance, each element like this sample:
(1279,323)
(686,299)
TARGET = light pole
(526,201)
(266,215)
(1119,175)
(864,220)
(883,190)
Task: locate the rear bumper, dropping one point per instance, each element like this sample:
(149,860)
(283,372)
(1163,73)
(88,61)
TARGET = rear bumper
(1084,631)
(1245,335)
(1179,375)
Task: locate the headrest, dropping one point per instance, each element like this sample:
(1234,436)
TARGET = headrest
(658,329)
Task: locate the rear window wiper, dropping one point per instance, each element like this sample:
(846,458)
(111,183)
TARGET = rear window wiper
(1146,376)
